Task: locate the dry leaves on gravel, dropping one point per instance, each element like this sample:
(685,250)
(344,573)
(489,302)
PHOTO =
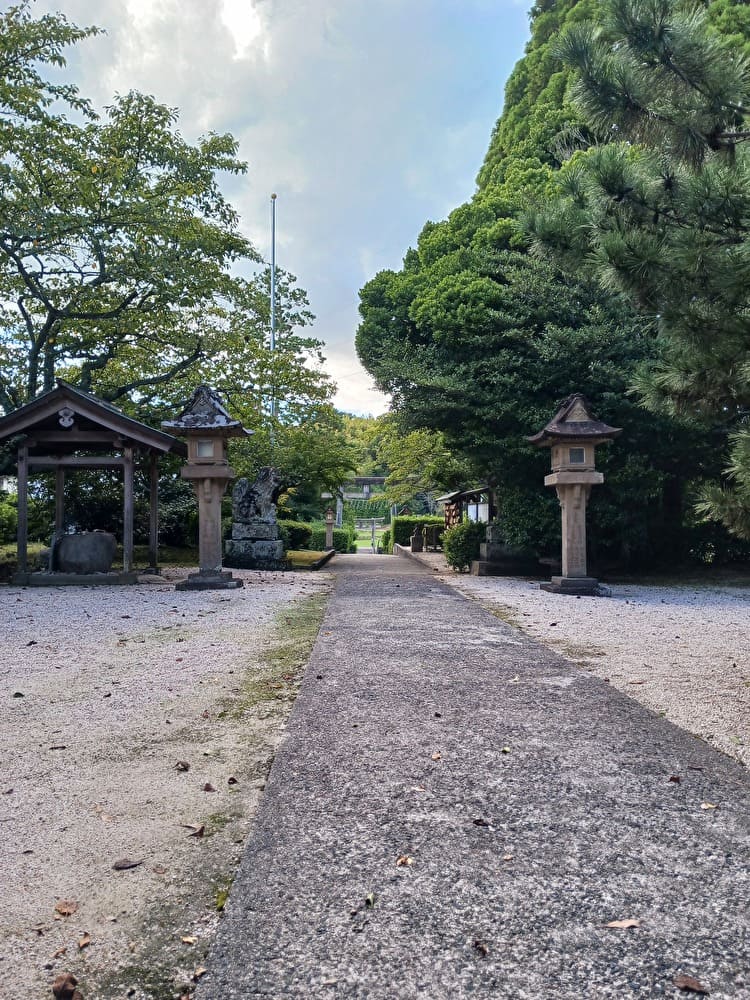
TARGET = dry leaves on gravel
(623,924)
(66,907)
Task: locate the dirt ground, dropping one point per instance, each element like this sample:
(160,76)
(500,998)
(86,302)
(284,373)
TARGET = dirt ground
(138,726)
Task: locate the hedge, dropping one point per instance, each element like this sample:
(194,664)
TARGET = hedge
(402,528)
(342,540)
(461,544)
(296,534)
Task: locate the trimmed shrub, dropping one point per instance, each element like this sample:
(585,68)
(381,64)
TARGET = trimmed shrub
(461,544)
(385,541)
(402,528)
(296,534)
(342,540)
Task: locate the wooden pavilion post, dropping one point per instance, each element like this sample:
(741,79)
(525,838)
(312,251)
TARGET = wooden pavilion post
(127,510)
(23,508)
(153,532)
(59,499)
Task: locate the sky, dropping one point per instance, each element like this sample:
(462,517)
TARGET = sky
(367,118)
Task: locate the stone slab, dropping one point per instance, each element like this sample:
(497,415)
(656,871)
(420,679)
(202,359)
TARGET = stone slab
(74,579)
(529,803)
(582,586)
(260,530)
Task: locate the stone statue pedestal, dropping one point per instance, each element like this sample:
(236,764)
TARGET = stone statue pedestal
(497,558)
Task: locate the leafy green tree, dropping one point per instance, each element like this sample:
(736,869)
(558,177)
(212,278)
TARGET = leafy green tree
(658,208)
(478,341)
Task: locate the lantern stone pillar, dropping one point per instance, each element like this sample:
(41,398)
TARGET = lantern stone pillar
(572,436)
(207,426)
(330,518)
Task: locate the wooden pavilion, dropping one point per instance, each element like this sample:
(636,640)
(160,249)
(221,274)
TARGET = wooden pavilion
(67,429)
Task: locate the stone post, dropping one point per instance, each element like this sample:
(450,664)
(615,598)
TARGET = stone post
(330,517)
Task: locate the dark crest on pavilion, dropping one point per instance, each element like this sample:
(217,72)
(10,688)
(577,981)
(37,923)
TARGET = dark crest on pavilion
(66,429)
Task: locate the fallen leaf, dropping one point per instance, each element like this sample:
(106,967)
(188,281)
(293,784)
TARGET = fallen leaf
(505,750)
(124,864)
(507,857)
(403,860)
(64,987)
(623,924)
(59,746)
(208,787)
(709,805)
(636,682)
(232,781)
(675,778)
(31,642)
(197,830)
(417,788)
(188,940)
(437,755)
(480,822)
(552,624)
(370,900)
(182,765)
(481,947)
(205,714)
(159,870)
(200,971)
(84,942)
(66,907)
(683,982)
(18,694)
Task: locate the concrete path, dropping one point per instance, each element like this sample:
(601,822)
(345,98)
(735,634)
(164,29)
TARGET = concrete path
(458,812)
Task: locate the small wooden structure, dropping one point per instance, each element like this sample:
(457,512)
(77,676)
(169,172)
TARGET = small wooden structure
(67,429)
(477,504)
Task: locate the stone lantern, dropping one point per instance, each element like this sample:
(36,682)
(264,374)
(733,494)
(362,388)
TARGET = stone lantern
(207,426)
(573,434)
(330,518)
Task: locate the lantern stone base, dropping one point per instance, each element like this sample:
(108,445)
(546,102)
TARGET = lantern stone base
(576,586)
(255,554)
(209,580)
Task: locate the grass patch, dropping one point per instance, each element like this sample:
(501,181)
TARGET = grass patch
(277,678)
(303,558)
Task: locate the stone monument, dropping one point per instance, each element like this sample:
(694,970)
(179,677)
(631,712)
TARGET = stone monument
(573,434)
(207,426)
(255,541)
(498,558)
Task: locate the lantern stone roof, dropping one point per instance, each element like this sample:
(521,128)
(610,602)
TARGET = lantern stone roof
(574,421)
(205,412)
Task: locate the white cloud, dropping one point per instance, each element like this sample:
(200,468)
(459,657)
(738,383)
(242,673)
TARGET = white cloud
(366,118)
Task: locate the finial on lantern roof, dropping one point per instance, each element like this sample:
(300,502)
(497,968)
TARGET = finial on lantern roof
(574,421)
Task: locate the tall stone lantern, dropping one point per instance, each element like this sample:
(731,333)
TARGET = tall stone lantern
(573,434)
(207,426)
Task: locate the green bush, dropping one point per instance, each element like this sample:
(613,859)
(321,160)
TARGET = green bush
(385,541)
(8,517)
(342,539)
(461,544)
(402,528)
(296,534)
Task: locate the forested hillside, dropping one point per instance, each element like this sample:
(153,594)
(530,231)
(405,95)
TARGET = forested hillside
(480,339)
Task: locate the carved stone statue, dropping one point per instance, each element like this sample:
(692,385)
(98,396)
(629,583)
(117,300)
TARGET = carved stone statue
(255,542)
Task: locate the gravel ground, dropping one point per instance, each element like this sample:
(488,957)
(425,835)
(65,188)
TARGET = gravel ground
(682,651)
(104,690)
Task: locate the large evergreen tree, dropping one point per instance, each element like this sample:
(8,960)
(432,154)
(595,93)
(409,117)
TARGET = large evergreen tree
(658,206)
(480,341)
